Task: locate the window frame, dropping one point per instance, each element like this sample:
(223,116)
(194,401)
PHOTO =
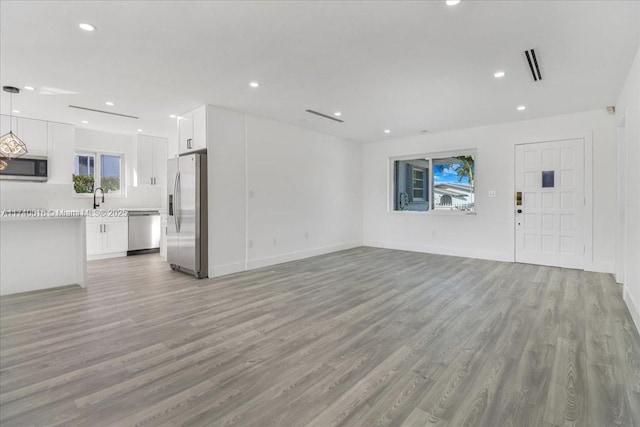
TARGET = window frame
(423,171)
(430,157)
(97,171)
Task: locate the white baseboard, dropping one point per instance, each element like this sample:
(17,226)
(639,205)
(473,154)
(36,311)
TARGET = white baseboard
(223,270)
(106,256)
(633,308)
(293,256)
(600,267)
(442,250)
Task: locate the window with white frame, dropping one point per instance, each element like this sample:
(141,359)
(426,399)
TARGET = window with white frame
(98,170)
(435,182)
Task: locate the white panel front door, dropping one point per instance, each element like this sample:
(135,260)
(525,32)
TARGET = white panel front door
(550,221)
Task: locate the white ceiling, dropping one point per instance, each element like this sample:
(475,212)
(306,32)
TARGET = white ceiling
(406,66)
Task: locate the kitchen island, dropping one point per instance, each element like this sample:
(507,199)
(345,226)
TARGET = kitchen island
(41,249)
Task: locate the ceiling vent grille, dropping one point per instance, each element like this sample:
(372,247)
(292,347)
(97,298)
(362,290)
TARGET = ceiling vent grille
(103,112)
(325,116)
(533,64)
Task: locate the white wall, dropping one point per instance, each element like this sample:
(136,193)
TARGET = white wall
(226,156)
(490,233)
(291,192)
(57,193)
(628,115)
(305,192)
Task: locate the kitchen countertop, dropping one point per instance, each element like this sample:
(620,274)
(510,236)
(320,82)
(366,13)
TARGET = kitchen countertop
(39,214)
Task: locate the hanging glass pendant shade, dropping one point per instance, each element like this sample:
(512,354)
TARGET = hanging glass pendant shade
(10,145)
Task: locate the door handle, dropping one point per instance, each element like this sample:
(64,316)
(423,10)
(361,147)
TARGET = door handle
(179,202)
(518,198)
(175,202)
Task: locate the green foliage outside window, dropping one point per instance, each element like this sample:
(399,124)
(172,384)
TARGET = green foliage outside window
(83,183)
(111,184)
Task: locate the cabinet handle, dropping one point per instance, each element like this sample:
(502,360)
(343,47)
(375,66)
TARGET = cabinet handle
(101,228)
(105,228)
(189,142)
(151,179)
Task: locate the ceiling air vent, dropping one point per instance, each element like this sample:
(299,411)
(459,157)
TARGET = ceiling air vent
(533,64)
(324,115)
(103,112)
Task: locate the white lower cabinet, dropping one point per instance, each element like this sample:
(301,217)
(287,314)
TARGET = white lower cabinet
(94,238)
(107,237)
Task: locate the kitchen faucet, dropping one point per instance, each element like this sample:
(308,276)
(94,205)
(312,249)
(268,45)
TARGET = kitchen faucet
(95,205)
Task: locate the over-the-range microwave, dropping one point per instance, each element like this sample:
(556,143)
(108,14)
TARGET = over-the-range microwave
(29,168)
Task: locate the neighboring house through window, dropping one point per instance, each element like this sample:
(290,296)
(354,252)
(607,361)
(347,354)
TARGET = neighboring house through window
(438,182)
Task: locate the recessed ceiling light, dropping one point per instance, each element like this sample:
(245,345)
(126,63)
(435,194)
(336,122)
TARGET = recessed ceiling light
(172,116)
(499,74)
(30,88)
(110,104)
(139,130)
(387,131)
(16,111)
(337,114)
(521,108)
(254,84)
(452,2)
(85,121)
(179,117)
(87,27)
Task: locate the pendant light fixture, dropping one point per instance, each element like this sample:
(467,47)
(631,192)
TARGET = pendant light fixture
(10,145)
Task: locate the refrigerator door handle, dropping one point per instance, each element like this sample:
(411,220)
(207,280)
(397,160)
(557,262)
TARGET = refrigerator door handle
(175,206)
(177,216)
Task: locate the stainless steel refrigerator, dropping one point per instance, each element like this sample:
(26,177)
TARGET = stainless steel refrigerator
(187,241)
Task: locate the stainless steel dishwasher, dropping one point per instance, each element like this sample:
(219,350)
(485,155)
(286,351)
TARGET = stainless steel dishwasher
(144,232)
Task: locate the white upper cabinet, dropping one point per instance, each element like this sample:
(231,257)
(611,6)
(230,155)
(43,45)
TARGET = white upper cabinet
(200,129)
(151,167)
(32,132)
(160,158)
(192,131)
(61,142)
(144,170)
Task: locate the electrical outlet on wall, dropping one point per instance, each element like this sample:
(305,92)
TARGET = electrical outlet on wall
(306,235)
(275,242)
(492,193)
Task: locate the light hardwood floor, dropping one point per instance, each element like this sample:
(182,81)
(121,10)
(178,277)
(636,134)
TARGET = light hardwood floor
(365,337)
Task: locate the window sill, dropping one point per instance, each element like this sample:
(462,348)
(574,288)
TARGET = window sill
(434,212)
(90,195)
